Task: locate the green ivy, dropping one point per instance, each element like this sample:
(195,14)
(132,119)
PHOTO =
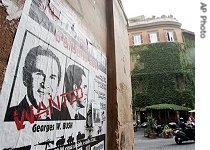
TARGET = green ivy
(157,68)
(190,55)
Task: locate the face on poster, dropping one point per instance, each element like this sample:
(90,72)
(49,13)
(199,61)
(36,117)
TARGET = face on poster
(37,80)
(76,87)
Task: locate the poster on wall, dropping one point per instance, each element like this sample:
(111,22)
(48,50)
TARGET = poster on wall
(54,93)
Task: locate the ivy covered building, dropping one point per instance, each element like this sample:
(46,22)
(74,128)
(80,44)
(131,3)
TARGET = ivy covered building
(162,65)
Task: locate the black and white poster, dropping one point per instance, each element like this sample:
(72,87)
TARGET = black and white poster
(54,91)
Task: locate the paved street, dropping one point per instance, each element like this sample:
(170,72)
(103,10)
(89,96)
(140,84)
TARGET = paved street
(143,143)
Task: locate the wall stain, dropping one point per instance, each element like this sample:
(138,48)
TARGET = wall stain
(122,87)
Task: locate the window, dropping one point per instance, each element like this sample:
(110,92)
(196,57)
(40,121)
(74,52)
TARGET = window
(170,36)
(137,39)
(153,37)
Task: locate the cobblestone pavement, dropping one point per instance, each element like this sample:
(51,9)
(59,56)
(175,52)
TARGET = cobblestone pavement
(144,143)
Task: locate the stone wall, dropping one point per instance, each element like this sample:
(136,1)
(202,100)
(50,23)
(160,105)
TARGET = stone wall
(7,32)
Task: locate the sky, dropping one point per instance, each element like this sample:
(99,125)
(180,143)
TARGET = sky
(183,11)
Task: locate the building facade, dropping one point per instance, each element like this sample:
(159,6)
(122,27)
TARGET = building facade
(160,70)
(143,30)
(152,30)
(76,48)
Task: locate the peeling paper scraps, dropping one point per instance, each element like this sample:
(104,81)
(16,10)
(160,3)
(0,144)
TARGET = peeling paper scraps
(14,8)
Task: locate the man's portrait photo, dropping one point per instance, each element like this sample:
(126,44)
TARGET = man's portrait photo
(76,89)
(41,78)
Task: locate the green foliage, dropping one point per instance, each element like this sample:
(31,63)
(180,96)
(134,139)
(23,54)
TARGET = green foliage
(157,69)
(189,41)
(151,124)
(190,55)
(167,106)
(167,132)
(160,58)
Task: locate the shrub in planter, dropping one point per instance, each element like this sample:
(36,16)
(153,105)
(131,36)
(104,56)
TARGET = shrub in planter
(167,132)
(151,125)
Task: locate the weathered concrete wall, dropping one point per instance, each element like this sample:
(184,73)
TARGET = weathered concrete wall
(92,14)
(124,96)
(108,25)
(120,128)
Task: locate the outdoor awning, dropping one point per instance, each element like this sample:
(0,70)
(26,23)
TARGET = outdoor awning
(167,106)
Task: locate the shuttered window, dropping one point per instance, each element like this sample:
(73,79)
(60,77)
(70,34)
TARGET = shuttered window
(170,36)
(153,37)
(137,39)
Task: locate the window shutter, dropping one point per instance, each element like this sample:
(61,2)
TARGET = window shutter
(175,37)
(158,37)
(132,39)
(141,38)
(149,38)
(166,36)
